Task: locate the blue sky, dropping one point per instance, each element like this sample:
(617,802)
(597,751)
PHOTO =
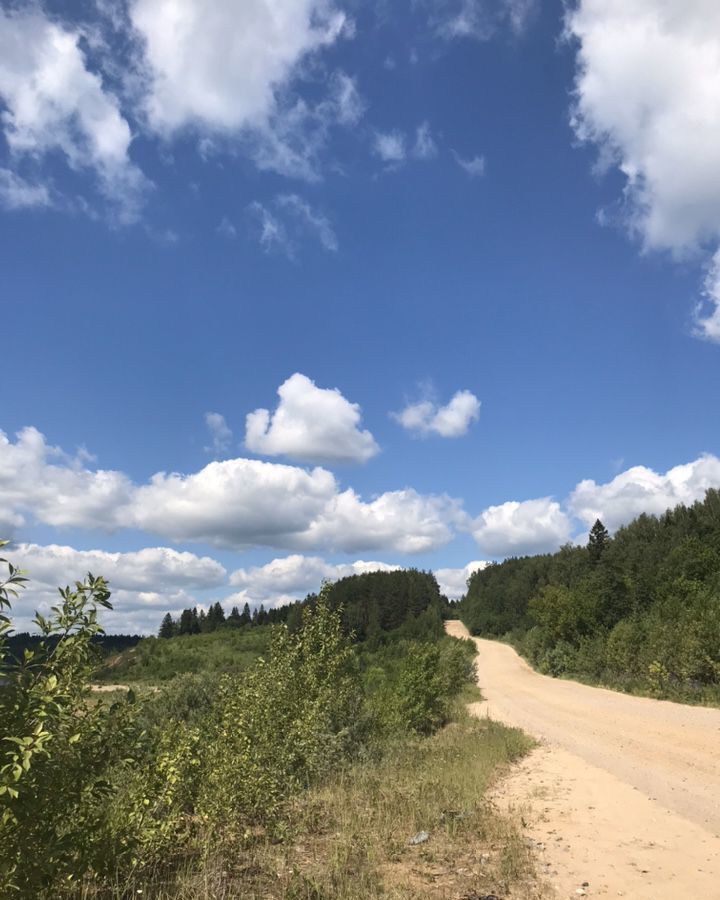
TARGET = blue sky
(463,252)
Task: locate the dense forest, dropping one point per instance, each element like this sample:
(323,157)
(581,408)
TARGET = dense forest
(371,603)
(141,794)
(639,610)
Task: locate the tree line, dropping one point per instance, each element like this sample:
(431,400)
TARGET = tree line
(192,621)
(372,603)
(638,610)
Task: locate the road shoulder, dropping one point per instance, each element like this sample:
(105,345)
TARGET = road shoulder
(595,836)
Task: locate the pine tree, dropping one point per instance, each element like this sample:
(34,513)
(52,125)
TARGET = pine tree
(597,542)
(246,617)
(218,615)
(195,621)
(234,620)
(167,628)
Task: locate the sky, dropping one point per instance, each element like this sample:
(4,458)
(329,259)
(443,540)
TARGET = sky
(292,290)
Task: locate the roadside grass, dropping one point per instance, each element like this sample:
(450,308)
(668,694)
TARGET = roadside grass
(348,839)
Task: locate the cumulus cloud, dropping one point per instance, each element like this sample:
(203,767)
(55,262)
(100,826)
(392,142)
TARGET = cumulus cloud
(159,569)
(646,88)
(290,578)
(144,584)
(453,582)
(451,420)
(54,104)
(219,65)
(518,528)
(310,424)
(538,526)
(642,490)
(219,432)
(403,521)
(473,166)
(236,503)
(57,489)
(225,69)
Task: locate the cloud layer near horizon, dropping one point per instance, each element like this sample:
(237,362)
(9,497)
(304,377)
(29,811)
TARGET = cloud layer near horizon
(242,503)
(234,503)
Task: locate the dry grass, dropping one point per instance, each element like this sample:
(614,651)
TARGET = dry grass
(348,840)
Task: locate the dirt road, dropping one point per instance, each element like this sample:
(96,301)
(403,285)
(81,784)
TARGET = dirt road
(624,793)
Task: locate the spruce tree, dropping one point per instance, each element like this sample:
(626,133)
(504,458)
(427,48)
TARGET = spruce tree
(167,628)
(597,542)
(186,622)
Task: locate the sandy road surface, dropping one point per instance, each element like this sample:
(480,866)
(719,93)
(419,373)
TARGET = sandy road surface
(624,793)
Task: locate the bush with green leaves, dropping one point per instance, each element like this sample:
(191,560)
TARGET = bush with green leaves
(57,749)
(291,719)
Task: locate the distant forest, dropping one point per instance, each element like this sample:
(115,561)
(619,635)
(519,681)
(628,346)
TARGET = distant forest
(640,610)
(371,603)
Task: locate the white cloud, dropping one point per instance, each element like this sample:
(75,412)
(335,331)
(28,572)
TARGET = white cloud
(310,424)
(144,584)
(481,19)
(309,219)
(225,68)
(272,232)
(290,578)
(159,569)
(518,528)
(451,420)
(425,146)
(642,490)
(403,521)
(54,103)
(219,432)
(474,166)
(56,489)
(453,582)
(236,503)
(219,65)
(390,146)
(226,228)
(707,312)
(18,193)
(646,89)
(290,221)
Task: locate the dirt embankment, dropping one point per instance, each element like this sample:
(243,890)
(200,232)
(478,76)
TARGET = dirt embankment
(623,796)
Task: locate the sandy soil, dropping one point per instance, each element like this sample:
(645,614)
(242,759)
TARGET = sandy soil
(623,796)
